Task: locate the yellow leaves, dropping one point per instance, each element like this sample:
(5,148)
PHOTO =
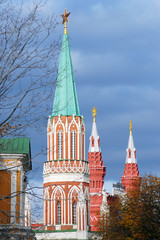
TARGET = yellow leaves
(5,128)
(137,215)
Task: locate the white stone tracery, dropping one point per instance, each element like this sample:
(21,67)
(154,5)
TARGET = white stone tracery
(53,132)
(67,168)
(69,136)
(60,194)
(59,122)
(73,194)
(76,167)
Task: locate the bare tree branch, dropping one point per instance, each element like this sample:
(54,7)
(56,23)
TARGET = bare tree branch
(28,63)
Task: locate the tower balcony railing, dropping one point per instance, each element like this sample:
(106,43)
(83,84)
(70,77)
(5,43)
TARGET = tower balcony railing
(67,165)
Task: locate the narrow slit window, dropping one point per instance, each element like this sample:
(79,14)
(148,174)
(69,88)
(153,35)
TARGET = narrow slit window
(73,144)
(58,213)
(59,144)
(74,213)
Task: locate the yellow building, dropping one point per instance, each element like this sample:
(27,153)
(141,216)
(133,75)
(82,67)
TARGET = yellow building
(15,161)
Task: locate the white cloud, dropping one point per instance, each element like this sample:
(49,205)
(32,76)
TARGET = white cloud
(92,64)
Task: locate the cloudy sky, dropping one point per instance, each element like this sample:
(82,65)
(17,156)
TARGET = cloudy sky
(116,57)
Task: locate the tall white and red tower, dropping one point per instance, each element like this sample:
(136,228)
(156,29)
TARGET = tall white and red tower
(66,173)
(97,174)
(131,178)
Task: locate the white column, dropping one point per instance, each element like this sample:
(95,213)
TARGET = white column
(65,211)
(68,210)
(50,150)
(71,210)
(81,220)
(48,146)
(69,147)
(44,209)
(61,211)
(55,144)
(89,212)
(54,211)
(51,146)
(48,211)
(84,148)
(13,195)
(85,218)
(78,217)
(81,146)
(78,143)
(22,199)
(51,210)
(64,144)
(27,211)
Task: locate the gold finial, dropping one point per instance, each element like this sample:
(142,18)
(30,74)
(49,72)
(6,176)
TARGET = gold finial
(65,20)
(94,110)
(130,127)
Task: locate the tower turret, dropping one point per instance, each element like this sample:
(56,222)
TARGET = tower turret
(94,145)
(97,172)
(96,167)
(131,177)
(66,173)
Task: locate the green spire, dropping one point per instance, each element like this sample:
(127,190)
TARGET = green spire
(65,100)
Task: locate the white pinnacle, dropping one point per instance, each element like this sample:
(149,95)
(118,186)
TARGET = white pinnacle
(94,135)
(131,151)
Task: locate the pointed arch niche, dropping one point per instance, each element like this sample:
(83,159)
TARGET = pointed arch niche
(58,213)
(72,204)
(59,147)
(73,140)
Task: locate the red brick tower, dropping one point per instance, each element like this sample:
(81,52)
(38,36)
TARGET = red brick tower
(97,173)
(66,173)
(131,178)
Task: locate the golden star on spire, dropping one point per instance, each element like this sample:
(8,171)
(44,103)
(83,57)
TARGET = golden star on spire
(65,19)
(130,127)
(94,110)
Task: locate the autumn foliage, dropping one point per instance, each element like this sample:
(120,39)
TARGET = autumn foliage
(136,216)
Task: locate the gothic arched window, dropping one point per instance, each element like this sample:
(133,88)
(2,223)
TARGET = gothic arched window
(58,213)
(59,144)
(73,144)
(74,212)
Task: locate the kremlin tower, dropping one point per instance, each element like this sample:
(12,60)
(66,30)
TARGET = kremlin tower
(72,200)
(66,173)
(131,178)
(97,173)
